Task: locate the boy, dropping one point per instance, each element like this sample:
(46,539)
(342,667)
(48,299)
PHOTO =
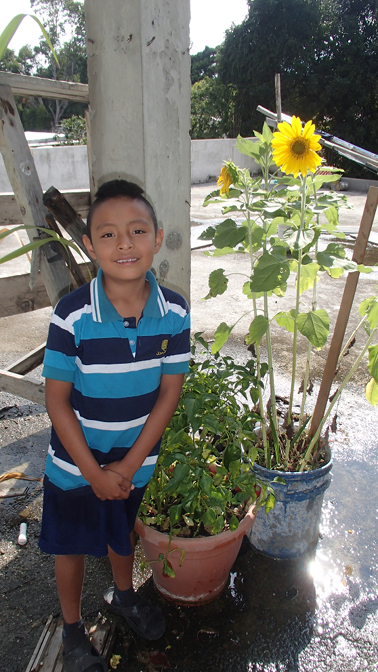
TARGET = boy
(116,355)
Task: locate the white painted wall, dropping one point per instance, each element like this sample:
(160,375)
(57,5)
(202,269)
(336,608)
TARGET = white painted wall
(67,167)
(208,157)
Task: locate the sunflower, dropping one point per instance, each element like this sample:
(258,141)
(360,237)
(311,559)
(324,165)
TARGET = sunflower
(224,180)
(294,150)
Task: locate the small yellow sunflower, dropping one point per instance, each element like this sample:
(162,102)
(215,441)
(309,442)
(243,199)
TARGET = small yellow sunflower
(224,180)
(294,150)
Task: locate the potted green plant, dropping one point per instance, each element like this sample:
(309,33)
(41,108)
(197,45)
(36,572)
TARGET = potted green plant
(204,494)
(292,201)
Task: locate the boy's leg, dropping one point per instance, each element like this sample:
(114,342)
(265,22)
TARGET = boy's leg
(69,575)
(143,617)
(122,567)
(78,652)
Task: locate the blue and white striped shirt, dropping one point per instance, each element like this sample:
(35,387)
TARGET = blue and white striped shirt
(115,366)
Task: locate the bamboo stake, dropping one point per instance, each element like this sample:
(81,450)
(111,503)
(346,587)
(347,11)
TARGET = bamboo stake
(345,308)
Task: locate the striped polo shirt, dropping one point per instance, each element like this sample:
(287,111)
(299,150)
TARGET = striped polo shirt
(115,366)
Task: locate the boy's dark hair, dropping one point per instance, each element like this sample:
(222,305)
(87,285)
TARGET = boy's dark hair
(119,189)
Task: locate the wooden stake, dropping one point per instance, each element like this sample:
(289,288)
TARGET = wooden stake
(28,192)
(345,308)
(277,83)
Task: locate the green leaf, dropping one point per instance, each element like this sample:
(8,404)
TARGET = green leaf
(180,473)
(286,320)
(373,361)
(371,392)
(220,337)
(208,234)
(168,569)
(271,271)
(228,234)
(217,283)
(209,517)
(364,269)
(369,307)
(297,239)
(192,406)
(218,525)
(234,523)
(333,257)
(247,147)
(223,251)
(206,484)
(26,248)
(308,276)
(270,502)
(332,215)
(279,479)
(231,453)
(257,329)
(11,28)
(314,326)
(175,514)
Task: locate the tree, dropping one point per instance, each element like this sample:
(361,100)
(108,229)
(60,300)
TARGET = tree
(327,54)
(203,64)
(278,36)
(212,109)
(347,73)
(62,18)
(22,63)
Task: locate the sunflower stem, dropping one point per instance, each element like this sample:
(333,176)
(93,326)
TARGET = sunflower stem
(266,311)
(297,301)
(258,354)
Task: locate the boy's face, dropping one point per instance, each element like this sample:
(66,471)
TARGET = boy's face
(123,239)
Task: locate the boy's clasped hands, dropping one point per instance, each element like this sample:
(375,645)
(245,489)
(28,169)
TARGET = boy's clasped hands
(111,484)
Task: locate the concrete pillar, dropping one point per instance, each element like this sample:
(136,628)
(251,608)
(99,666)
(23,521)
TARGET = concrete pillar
(139,90)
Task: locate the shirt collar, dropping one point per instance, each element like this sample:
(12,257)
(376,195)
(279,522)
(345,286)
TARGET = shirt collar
(104,311)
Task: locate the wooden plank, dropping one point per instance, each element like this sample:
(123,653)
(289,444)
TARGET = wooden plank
(22,386)
(48,630)
(10,212)
(344,310)
(54,650)
(28,362)
(47,654)
(67,255)
(65,214)
(39,87)
(28,191)
(16,297)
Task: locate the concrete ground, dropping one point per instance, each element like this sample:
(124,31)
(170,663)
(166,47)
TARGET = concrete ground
(316,614)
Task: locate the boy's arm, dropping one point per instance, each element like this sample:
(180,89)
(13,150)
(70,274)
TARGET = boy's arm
(105,484)
(157,422)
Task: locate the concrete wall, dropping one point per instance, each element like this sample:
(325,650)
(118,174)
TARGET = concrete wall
(61,167)
(208,157)
(67,167)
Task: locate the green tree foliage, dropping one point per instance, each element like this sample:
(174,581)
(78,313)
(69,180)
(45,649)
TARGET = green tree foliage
(347,74)
(277,36)
(203,64)
(65,23)
(21,64)
(212,109)
(327,54)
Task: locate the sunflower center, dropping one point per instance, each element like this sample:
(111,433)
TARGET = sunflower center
(299,147)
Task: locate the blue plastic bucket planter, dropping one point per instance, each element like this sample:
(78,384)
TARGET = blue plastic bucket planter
(292,527)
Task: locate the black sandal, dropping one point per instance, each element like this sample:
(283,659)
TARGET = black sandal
(143,617)
(84,658)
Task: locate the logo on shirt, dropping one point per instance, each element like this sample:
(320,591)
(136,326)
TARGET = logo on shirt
(164,347)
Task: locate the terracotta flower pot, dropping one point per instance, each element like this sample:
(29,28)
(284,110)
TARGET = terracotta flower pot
(205,569)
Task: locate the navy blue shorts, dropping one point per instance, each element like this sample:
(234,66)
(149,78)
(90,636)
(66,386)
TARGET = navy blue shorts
(82,524)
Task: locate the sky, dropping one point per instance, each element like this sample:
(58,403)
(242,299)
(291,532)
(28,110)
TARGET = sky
(209,21)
